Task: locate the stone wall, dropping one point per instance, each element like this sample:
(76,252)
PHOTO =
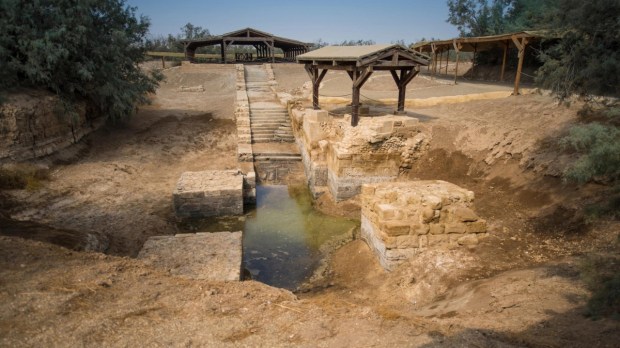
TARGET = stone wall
(34,124)
(401,218)
(245,154)
(340,158)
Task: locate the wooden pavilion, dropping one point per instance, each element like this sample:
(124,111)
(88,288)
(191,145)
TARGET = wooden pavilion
(264,43)
(360,62)
(520,40)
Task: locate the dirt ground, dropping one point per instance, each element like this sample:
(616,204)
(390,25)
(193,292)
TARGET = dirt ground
(520,287)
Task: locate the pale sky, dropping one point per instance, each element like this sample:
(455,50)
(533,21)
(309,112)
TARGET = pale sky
(383,21)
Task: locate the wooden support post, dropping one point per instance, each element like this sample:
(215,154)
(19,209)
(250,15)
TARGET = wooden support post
(359,77)
(273,52)
(406,75)
(501,76)
(473,61)
(434,49)
(457,49)
(447,59)
(223,51)
(163,62)
(315,77)
(521,47)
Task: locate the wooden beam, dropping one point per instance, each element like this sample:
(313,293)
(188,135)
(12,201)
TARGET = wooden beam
(315,77)
(457,49)
(447,59)
(355,99)
(223,51)
(501,76)
(521,47)
(401,82)
(163,62)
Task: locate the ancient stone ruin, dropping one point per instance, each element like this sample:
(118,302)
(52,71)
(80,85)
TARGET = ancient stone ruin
(209,193)
(340,158)
(399,219)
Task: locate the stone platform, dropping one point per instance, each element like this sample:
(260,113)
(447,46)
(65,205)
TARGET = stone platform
(209,193)
(210,256)
(399,219)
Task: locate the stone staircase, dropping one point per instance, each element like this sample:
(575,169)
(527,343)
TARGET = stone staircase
(269,121)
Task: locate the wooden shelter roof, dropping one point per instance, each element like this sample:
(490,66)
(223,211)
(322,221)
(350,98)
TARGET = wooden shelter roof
(247,36)
(394,56)
(481,43)
(360,62)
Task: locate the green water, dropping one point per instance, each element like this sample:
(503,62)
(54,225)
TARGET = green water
(282,236)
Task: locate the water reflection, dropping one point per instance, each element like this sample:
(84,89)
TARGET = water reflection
(282,237)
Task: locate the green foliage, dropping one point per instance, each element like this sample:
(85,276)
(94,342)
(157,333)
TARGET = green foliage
(600,148)
(173,43)
(587,59)
(79,49)
(479,17)
(492,17)
(602,276)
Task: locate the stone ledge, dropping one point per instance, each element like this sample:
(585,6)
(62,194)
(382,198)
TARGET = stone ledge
(209,256)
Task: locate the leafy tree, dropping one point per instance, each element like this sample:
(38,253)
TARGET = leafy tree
(587,59)
(191,32)
(479,17)
(79,49)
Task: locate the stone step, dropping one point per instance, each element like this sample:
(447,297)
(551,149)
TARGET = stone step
(276,124)
(266,116)
(271,132)
(275,154)
(267,113)
(265,128)
(277,158)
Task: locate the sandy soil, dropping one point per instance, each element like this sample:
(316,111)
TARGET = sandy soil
(520,287)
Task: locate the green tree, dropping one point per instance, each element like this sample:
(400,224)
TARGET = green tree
(79,49)
(587,59)
(479,17)
(192,32)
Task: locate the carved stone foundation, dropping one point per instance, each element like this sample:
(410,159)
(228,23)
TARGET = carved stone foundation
(209,193)
(401,218)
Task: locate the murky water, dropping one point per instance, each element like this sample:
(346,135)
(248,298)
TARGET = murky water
(282,236)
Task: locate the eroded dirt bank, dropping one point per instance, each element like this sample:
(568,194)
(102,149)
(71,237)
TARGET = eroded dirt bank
(521,287)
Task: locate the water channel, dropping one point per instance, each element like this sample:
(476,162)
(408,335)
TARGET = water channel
(283,234)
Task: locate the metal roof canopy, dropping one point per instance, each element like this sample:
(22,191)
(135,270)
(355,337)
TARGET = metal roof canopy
(262,41)
(360,62)
(482,43)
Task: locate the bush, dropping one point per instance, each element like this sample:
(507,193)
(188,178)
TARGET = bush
(79,49)
(599,145)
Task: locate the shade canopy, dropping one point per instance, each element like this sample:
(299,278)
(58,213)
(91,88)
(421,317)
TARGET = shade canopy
(265,43)
(360,62)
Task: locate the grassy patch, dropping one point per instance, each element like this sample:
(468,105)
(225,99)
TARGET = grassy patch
(23,176)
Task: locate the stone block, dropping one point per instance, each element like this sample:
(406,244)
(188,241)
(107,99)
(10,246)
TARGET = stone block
(316,115)
(209,193)
(395,228)
(436,228)
(479,226)
(209,256)
(455,228)
(468,239)
(438,239)
(388,212)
